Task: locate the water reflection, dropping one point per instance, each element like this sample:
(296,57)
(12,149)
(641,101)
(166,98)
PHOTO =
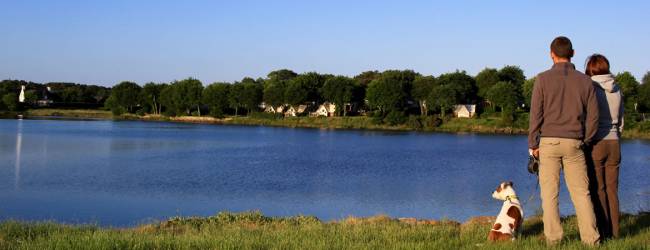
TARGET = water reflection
(19,145)
(121,173)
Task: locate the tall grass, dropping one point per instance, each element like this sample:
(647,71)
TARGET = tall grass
(71,113)
(252,230)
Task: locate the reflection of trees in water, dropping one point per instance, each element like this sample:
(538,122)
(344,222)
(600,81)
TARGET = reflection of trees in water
(19,142)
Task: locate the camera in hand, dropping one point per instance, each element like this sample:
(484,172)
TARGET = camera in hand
(533,165)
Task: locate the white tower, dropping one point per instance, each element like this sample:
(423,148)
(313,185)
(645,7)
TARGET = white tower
(21,97)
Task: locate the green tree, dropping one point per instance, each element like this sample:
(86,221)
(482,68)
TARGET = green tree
(339,90)
(421,90)
(31,96)
(72,94)
(442,97)
(150,95)
(10,86)
(512,74)
(274,91)
(187,95)
(113,106)
(125,95)
(391,91)
(485,79)
(252,95)
(96,94)
(464,86)
(282,75)
(10,101)
(366,77)
(297,91)
(506,96)
(215,96)
(629,86)
(167,100)
(305,88)
(236,97)
(528,90)
(644,93)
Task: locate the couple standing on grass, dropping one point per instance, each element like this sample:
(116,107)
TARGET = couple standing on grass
(575,125)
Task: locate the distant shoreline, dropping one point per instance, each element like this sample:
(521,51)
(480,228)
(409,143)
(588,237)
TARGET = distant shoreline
(453,125)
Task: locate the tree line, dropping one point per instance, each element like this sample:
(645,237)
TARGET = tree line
(61,94)
(390,96)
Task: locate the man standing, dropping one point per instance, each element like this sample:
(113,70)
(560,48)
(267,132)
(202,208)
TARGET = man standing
(564,116)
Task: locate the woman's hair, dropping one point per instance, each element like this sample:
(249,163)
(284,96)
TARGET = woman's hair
(597,64)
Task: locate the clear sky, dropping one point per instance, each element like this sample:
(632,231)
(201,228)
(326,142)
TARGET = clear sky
(105,42)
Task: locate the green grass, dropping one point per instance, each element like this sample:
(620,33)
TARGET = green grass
(252,230)
(70,113)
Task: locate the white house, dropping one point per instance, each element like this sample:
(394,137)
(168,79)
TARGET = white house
(325,109)
(21,97)
(274,110)
(295,111)
(465,110)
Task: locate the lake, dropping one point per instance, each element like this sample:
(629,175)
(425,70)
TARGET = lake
(123,173)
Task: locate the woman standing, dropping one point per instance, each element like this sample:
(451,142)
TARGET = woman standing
(606,149)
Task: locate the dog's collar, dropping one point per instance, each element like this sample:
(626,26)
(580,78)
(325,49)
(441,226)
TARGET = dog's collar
(511,197)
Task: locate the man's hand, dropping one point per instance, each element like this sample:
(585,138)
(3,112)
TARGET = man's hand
(534,152)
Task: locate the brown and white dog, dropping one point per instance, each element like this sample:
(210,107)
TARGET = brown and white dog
(508,222)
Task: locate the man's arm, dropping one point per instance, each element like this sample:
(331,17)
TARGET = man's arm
(536,115)
(591,120)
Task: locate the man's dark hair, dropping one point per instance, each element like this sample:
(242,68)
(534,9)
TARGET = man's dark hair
(562,47)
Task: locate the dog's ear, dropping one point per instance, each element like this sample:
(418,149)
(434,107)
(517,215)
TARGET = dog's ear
(509,183)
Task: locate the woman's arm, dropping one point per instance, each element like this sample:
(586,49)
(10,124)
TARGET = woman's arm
(621,117)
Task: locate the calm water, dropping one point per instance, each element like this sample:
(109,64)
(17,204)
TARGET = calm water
(125,173)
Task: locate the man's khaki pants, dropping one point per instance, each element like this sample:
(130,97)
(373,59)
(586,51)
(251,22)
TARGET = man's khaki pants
(554,153)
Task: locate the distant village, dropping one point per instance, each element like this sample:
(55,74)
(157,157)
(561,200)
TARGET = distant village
(391,96)
(328,109)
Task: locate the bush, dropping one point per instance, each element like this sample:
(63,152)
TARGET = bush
(217,113)
(169,112)
(415,122)
(377,118)
(10,101)
(643,126)
(432,122)
(395,118)
(141,112)
(488,112)
(507,117)
(521,120)
(117,110)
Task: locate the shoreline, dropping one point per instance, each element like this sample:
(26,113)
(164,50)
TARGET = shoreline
(482,126)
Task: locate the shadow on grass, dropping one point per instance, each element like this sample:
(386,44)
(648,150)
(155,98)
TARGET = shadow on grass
(533,226)
(632,225)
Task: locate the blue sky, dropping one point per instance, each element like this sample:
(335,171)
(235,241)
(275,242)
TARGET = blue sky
(105,42)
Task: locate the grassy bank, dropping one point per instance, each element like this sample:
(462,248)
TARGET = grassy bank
(486,125)
(70,113)
(254,231)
